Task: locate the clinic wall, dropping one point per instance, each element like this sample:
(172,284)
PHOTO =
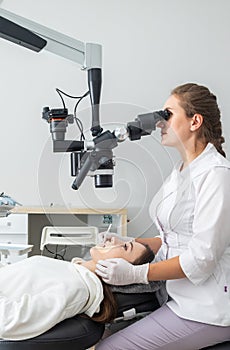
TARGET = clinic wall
(149,47)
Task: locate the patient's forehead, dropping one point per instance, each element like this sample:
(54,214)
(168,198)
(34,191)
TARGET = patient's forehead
(138,248)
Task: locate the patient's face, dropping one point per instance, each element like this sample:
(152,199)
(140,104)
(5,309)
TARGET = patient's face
(129,251)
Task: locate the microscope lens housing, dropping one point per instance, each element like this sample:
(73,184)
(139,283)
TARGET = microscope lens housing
(104,175)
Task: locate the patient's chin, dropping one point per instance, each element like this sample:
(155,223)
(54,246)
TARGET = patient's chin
(95,254)
(92,253)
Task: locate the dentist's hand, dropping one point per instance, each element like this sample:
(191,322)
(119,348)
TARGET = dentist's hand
(117,239)
(119,272)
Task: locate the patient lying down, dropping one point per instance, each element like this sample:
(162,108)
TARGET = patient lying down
(39,292)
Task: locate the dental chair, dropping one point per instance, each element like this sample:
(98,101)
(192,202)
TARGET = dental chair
(76,333)
(222,346)
(82,237)
(81,333)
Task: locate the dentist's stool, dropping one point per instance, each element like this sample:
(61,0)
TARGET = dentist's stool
(76,333)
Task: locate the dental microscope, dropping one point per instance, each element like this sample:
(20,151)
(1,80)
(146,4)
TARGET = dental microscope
(93,157)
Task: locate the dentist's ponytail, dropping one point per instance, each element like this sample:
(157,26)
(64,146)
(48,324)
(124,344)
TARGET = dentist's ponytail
(196,98)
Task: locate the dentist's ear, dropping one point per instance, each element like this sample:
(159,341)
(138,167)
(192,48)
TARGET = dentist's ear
(196,122)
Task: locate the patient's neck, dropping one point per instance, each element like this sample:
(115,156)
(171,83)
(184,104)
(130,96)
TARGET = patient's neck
(90,264)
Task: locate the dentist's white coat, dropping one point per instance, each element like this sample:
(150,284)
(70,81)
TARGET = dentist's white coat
(192,213)
(39,292)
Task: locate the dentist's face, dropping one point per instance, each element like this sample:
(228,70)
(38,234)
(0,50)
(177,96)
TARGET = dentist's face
(176,131)
(129,251)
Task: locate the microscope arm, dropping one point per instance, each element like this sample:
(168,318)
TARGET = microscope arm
(89,55)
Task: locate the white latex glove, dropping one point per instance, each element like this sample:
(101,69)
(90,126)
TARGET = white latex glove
(117,239)
(120,272)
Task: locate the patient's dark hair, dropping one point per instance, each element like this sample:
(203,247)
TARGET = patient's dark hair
(108,307)
(146,257)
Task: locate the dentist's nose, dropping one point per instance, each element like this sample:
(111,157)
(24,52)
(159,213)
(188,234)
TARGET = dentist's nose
(161,124)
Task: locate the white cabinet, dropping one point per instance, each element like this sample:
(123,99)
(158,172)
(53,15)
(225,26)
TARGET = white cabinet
(14,224)
(14,229)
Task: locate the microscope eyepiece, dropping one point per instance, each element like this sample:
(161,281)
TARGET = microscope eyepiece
(166,114)
(144,124)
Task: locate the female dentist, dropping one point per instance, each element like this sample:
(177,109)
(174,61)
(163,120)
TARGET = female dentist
(192,213)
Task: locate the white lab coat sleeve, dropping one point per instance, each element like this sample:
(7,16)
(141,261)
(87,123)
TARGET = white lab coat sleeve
(211,225)
(24,318)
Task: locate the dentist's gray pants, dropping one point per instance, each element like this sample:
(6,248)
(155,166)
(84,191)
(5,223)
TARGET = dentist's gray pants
(164,330)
